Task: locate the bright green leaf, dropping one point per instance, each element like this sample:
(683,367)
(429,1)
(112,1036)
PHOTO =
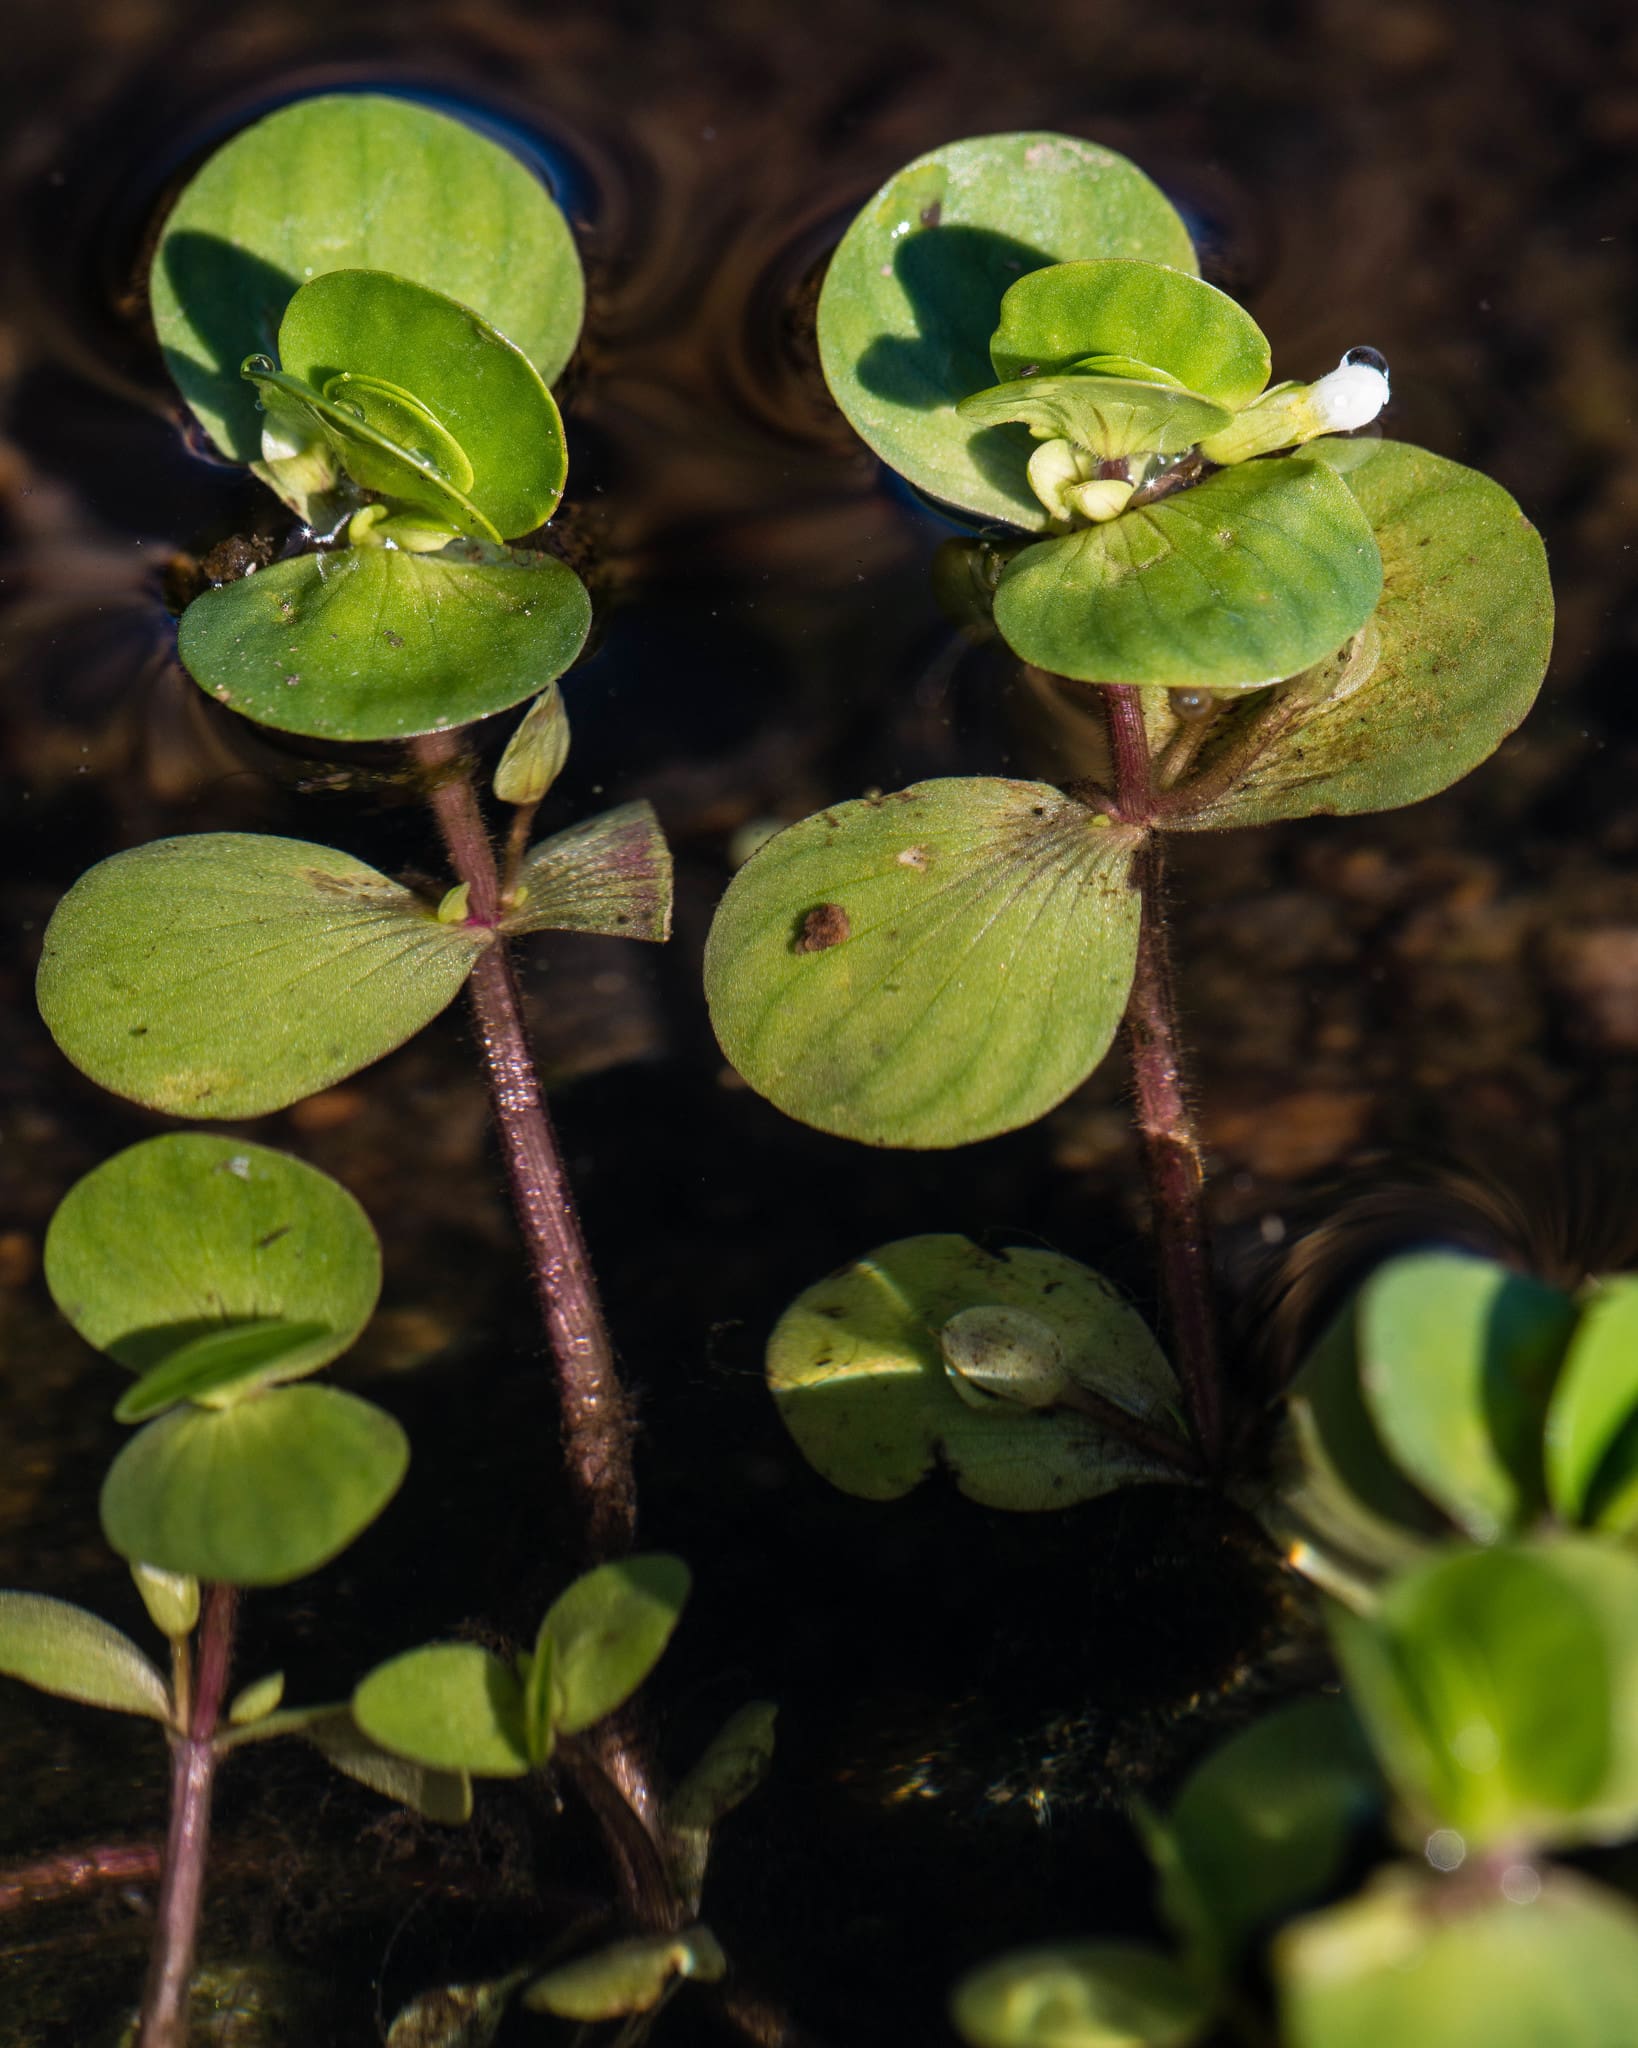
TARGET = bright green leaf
(1055,318)
(373,643)
(352,181)
(1449,664)
(1111,416)
(386,335)
(199,1261)
(1081,1994)
(607,1632)
(257,1494)
(930,967)
(1412,1961)
(1457,1360)
(1596,1396)
(1242,580)
(539,1675)
(627,1976)
(171,1598)
(226,974)
(536,752)
(856,1369)
(1264,1825)
(442,1796)
(256,1701)
(61,1649)
(913,290)
(451,1705)
(610,875)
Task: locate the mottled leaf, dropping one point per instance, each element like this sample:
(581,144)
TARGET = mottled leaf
(61,1649)
(610,875)
(930,967)
(1081,1994)
(226,974)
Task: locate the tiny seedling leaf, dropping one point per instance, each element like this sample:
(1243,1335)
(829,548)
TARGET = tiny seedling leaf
(171,1598)
(257,1494)
(226,974)
(536,752)
(539,1698)
(910,299)
(373,643)
(930,967)
(610,875)
(1255,574)
(857,1371)
(59,1648)
(256,1701)
(1081,1994)
(607,1632)
(626,1977)
(1596,1396)
(455,1706)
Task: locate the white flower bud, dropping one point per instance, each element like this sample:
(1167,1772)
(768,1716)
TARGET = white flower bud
(1350,396)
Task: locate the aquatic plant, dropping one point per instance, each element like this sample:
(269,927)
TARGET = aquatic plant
(1279,621)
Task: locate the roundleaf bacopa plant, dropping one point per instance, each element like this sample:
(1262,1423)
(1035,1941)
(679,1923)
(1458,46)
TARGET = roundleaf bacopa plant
(1281,622)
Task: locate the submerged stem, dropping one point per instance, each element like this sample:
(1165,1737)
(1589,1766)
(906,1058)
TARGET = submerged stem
(597,1418)
(1171,1150)
(164,2022)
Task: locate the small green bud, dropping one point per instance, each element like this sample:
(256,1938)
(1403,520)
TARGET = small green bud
(257,1700)
(171,1598)
(455,907)
(536,752)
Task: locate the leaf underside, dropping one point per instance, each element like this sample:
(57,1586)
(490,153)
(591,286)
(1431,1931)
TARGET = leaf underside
(610,875)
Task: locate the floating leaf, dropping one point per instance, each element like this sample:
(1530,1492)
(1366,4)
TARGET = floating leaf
(627,1976)
(386,336)
(1457,1360)
(1055,318)
(171,1598)
(1247,578)
(1448,666)
(1499,1687)
(256,1701)
(1081,1994)
(61,1649)
(1553,1960)
(189,1254)
(226,974)
(607,1632)
(856,1369)
(610,875)
(451,1705)
(912,293)
(1596,1396)
(1111,416)
(352,181)
(442,1796)
(1265,1824)
(930,967)
(257,1494)
(376,644)
(536,752)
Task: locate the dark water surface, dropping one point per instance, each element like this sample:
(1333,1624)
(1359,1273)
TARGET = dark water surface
(967,1699)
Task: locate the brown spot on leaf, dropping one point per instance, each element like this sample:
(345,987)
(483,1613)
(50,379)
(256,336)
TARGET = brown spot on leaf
(826,925)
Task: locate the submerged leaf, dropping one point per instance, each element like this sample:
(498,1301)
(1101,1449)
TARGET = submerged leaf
(456,2015)
(626,1977)
(930,967)
(857,1371)
(1247,578)
(374,643)
(610,875)
(734,1763)
(1081,1994)
(257,1494)
(607,1632)
(910,298)
(61,1649)
(352,181)
(226,974)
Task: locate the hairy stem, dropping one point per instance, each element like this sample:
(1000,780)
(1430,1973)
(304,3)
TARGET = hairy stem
(597,1418)
(164,2022)
(1171,1150)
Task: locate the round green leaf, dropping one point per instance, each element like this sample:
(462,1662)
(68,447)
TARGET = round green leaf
(913,291)
(453,1706)
(352,181)
(927,968)
(1596,1396)
(1408,1962)
(1500,1691)
(443,1796)
(226,974)
(857,1371)
(1247,578)
(257,1494)
(482,392)
(1449,664)
(1110,416)
(188,1241)
(378,644)
(1265,1824)
(61,1649)
(1081,1994)
(1457,1358)
(605,1634)
(1057,317)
